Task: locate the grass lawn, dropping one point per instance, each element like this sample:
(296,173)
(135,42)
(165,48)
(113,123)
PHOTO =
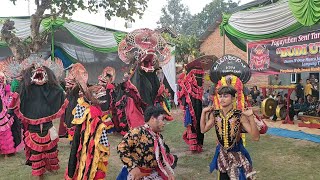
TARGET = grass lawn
(274,158)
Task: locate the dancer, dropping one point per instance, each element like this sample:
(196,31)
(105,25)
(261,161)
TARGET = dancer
(41,100)
(190,99)
(90,147)
(146,50)
(108,95)
(231,159)
(10,131)
(76,74)
(144,152)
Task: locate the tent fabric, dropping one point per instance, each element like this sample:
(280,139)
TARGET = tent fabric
(169,70)
(307,12)
(75,41)
(64,58)
(92,37)
(119,36)
(52,24)
(84,54)
(283,18)
(22,30)
(265,20)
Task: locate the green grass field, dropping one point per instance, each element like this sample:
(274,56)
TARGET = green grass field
(274,158)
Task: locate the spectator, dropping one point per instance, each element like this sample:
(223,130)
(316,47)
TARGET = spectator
(300,106)
(206,99)
(318,108)
(259,100)
(309,100)
(311,107)
(255,93)
(276,80)
(280,99)
(315,86)
(299,90)
(308,89)
(250,100)
(246,91)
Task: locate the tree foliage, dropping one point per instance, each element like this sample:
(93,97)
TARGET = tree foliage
(208,16)
(190,28)
(65,8)
(175,15)
(186,47)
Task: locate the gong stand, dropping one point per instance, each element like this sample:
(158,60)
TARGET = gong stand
(290,89)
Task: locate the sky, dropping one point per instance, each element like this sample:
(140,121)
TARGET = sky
(149,19)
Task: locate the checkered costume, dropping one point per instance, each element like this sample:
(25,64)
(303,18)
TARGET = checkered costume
(104,138)
(79,111)
(91,136)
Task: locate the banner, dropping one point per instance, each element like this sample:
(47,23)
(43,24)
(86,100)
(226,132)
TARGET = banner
(293,54)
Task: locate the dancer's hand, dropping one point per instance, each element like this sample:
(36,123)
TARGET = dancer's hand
(207,109)
(137,174)
(171,177)
(248,112)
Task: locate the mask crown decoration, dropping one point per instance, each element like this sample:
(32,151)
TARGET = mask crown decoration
(13,69)
(145,47)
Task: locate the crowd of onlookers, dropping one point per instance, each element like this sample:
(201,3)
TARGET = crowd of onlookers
(305,99)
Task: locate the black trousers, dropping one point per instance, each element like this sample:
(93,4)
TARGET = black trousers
(224,176)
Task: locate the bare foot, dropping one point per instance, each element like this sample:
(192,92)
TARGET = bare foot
(6,156)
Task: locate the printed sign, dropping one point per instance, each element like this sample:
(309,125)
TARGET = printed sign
(230,64)
(294,54)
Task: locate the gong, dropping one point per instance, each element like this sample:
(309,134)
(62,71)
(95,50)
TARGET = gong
(268,107)
(281,111)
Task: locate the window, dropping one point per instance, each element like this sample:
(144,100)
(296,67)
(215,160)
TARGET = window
(294,78)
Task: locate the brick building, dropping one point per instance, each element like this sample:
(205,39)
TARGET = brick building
(211,43)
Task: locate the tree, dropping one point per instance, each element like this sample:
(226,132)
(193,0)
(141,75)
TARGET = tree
(186,47)
(177,16)
(174,15)
(208,16)
(64,8)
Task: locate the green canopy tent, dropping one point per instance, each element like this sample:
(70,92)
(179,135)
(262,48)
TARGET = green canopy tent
(268,19)
(72,41)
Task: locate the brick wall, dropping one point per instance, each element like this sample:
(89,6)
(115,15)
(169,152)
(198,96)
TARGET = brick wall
(213,45)
(256,80)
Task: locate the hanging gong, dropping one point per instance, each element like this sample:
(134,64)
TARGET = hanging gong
(268,107)
(281,111)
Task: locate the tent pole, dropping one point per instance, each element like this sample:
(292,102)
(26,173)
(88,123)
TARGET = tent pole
(224,42)
(52,43)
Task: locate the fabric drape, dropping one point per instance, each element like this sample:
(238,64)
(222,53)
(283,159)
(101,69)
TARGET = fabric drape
(307,12)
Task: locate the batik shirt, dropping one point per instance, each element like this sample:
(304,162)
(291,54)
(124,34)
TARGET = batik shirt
(137,149)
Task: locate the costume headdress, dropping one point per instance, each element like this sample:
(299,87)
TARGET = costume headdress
(76,74)
(234,72)
(231,71)
(108,71)
(146,47)
(13,68)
